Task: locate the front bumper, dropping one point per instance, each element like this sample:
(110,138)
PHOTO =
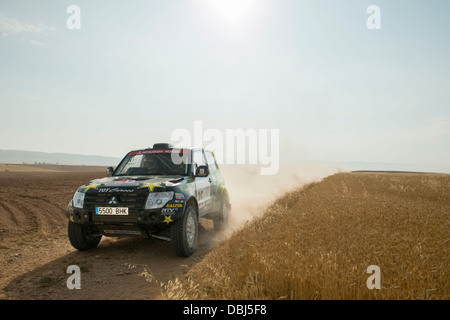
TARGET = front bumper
(147,221)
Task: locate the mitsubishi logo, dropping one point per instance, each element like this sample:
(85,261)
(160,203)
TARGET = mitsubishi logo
(113,200)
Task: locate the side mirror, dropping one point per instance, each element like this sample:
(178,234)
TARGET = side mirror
(109,171)
(202,171)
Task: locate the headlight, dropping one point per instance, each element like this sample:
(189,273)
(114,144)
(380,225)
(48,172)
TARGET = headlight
(78,200)
(158,199)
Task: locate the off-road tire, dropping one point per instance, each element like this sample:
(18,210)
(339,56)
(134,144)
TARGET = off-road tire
(79,237)
(184,233)
(221,219)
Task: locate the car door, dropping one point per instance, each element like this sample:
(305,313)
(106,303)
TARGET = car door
(214,179)
(202,184)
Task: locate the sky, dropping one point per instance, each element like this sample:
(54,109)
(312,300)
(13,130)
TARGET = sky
(135,71)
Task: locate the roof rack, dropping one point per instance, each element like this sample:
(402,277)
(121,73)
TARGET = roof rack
(162,146)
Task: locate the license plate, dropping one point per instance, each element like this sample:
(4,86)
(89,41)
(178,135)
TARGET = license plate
(115,211)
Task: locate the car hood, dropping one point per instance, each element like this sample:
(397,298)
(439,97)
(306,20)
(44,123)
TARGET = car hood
(132,183)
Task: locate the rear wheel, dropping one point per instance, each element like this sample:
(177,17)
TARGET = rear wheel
(221,220)
(184,233)
(80,237)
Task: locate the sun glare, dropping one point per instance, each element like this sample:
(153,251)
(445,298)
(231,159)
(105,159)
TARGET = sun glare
(232,11)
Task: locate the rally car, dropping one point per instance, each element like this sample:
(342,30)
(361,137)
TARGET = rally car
(160,191)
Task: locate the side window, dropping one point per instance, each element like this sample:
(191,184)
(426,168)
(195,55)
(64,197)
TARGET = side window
(199,159)
(211,162)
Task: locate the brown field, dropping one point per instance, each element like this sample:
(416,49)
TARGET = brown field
(7,167)
(314,242)
(317,242)
(4,167)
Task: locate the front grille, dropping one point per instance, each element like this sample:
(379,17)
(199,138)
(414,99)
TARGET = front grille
(130,200)
(133,201)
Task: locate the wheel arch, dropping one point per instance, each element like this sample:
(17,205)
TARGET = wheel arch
(192,201)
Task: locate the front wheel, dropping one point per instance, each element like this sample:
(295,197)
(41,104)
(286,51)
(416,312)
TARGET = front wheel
(80,237)
(184,233)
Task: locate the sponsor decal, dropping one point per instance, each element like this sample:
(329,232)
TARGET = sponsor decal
(168,210)
(125,181)
(150,186)
(91,186)
(168,219)
(174,205)
(179,196)
(106,190)
(179,151)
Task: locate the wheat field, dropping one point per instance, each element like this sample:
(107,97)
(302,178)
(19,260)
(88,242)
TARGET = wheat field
(317,243)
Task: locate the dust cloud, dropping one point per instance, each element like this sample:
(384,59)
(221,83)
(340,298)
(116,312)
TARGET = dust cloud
(250,193)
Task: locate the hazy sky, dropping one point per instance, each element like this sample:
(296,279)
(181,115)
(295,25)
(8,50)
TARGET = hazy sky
(138,70)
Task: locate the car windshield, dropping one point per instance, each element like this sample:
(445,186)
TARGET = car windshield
(153,162)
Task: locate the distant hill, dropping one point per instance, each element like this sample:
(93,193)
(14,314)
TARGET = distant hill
(392,166)
(33,157)
(387,166)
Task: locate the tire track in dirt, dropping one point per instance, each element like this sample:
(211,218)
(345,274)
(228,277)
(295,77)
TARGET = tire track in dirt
(8,220)
(36,216)
(36,202)
(21,207)
(26,215)
(11,217)
(32,223)
(50,218)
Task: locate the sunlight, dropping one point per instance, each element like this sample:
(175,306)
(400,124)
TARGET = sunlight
(231,11)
